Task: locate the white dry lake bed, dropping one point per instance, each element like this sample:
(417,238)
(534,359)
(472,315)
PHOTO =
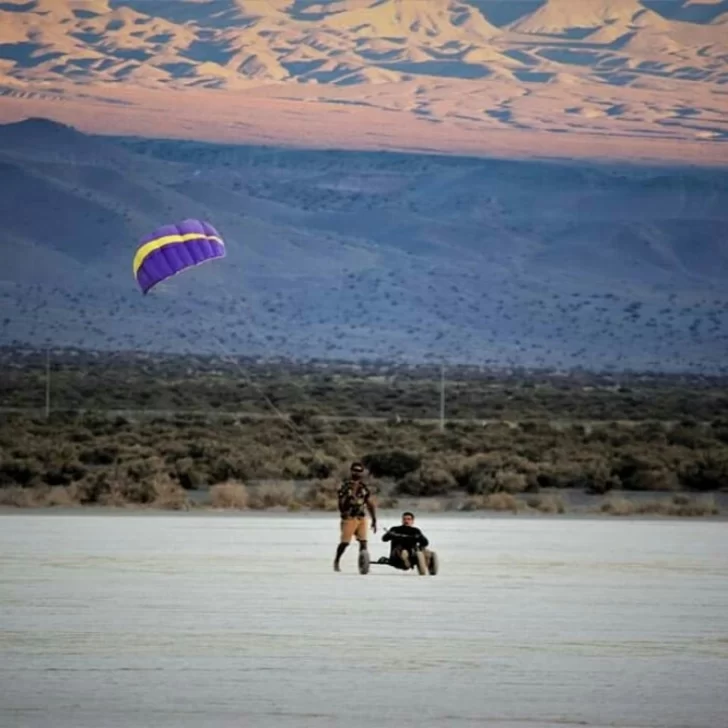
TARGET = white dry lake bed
(156,619)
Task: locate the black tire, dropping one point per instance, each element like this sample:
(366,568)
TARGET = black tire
(421,564)
(364,562)
(434,564)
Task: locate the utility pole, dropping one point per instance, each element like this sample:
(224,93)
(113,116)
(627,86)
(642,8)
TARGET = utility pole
(48,384)
(442,398)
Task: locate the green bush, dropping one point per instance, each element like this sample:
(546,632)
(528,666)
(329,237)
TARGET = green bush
(391,463)
(708,473)
(641,473)
(426,482)
(100,455)
(19,472)
(64,474)
(189,476)
(320,466)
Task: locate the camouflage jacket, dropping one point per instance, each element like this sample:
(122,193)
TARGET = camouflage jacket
(353,498)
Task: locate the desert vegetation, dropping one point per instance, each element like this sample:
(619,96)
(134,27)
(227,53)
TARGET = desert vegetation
(218,386)
(510,443)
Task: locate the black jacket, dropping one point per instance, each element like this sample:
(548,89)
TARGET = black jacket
(405,537)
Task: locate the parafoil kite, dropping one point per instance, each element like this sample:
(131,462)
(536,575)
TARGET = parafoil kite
(171,249)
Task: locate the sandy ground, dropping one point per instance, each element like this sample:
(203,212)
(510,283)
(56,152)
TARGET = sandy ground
(281,116)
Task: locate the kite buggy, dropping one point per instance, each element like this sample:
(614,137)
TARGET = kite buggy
(408,549)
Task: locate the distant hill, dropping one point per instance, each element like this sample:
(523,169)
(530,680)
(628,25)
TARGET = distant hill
(634,79)
(365,255)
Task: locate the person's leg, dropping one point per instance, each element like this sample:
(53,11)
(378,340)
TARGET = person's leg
(428,558)
(362,524)
(395,559)
(404,554)
(347,528)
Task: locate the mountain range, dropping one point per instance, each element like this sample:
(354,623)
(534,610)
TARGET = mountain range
(639,80)
(365,255)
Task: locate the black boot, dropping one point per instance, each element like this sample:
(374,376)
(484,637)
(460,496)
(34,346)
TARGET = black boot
(339,553)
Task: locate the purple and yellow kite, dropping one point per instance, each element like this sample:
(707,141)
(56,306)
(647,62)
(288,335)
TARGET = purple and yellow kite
(171,249)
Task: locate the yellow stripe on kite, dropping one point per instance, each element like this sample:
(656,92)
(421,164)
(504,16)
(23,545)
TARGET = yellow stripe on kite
(158,243)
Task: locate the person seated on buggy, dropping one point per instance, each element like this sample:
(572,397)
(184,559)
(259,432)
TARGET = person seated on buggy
(406,540)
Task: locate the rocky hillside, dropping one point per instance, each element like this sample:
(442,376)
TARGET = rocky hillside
(626,78)
(360,255)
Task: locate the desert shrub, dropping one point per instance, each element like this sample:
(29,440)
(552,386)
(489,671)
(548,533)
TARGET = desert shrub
(173,450)
(427,481)
(618,507)
(491,502)
(678,506)
(708,473)
(165,493)
(479,482)
(391,463)
(321,495)
(61,496)
(303,417)
(93,489)
(229,467)
(658,478)
(595,479)
(473,473)
(81,435)
(651,432)
(189,476)
(688,435)
(64,474)
(493,473)
(634,472)
(293,467)
(319,466)
(100,455)
(701,506)
(270,495)
(139,492)
(609,434)
(505,481)
(532,483)
(19,472)
(547,503)
(18,497)
(142,469)
(534,427)
(721,434)
(229,495)
(195,449)
(157,490)
(438,477)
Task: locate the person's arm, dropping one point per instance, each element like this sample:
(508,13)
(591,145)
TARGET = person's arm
(372,511)
(423,539)
(340,493)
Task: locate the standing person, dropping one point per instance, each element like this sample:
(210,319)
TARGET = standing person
(355,500)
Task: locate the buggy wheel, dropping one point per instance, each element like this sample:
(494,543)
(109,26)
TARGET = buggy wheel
(364,562)
(421,563)
(434,564)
